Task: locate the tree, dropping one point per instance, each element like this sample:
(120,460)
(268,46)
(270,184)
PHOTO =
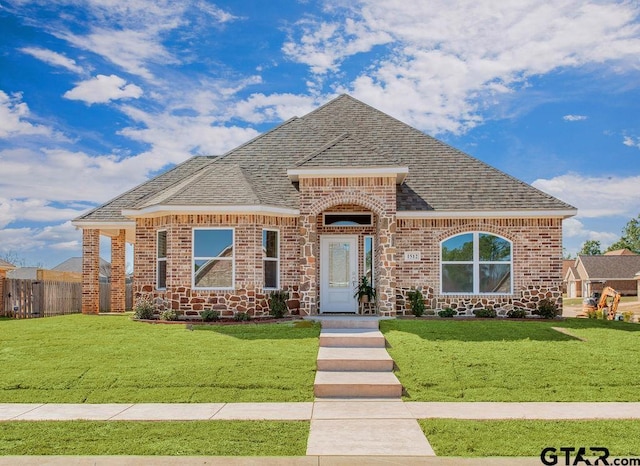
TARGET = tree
(591,247)
(630,237)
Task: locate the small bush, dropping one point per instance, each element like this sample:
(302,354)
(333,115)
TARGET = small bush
(485,313)
(143,309)
(169,314)
(517,314)
(417,302)
(592,314)
(241,317)
(447,312)
(547,309)
(278,303)
(627,316)
(210,316)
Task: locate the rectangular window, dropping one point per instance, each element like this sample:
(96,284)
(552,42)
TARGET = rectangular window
(348,219)
(368,259)
(271,258)
(161,255)
(213,258)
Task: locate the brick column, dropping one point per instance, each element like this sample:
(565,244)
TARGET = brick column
(308,271)
(386,266)
(118,272)
(90,271)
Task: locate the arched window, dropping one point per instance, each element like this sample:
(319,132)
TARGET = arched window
(476,263)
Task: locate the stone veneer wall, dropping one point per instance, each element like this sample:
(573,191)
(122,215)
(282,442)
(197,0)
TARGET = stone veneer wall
(247,295)
(536,270)
(373,193)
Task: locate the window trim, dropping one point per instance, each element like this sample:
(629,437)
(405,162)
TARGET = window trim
(161,259)
(373,257)
(345,214)
(270,259)
(194,258)
(476,263)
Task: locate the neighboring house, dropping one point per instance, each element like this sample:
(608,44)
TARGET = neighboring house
(24,273)
(566,265)
(5,267)
(316,203)
(73,265)
(590,274)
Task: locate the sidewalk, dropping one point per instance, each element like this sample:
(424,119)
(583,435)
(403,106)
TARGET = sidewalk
(323,409)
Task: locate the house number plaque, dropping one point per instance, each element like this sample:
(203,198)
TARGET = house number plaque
(412,256)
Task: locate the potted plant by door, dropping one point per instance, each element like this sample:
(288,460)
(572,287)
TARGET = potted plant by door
(365,292)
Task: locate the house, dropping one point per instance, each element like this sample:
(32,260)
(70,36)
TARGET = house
(314,204)
(5,267)
(590,274)
(73,267)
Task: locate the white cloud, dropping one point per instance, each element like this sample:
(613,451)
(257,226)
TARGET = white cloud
(14,116)
(631,142)
(102,89)
(34,210)
(574,228)
(574,117)
(53,58)
(595,196)
(64,237)
(260,108)
(448,60)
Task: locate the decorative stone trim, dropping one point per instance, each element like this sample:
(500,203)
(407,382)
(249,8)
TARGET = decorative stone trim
(190,303)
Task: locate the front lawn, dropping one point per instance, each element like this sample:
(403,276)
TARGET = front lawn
(112,359)
(502,360)
(466,438)
(193,438)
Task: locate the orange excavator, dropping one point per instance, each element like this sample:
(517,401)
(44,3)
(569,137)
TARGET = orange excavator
(603,304)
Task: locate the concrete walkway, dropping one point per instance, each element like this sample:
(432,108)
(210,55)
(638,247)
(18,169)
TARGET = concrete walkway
(337,409)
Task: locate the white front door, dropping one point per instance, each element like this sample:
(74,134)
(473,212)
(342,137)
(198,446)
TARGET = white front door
(338,273)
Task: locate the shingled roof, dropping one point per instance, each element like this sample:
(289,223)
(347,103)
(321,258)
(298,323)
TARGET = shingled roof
(603,267)
(343,133)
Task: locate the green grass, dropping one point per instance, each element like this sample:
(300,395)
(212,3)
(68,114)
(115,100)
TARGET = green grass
(112,359)
(502,360)
(450,437)
(196,438)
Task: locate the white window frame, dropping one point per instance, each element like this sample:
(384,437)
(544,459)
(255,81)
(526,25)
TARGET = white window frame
(194,258)
(373,257)
(270,259)
(346,214)
(476,262)
(161,259)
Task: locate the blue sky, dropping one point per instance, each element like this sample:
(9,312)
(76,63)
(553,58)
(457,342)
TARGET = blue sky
(96,96)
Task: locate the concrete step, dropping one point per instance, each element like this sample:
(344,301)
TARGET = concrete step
(364,338)
(329,384)
(350,322)
(354,359)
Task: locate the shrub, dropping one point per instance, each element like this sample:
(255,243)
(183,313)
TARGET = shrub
(547,309)
(417,302)
(241,317)
(169,314)
(517,314)
(210,315)
(485,313)
(592,314)
(627,316)
(447,312)
(143,309)
(278,303)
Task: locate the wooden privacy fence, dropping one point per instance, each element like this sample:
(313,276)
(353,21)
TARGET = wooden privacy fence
(41,298)
(105,297)
(25,299)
